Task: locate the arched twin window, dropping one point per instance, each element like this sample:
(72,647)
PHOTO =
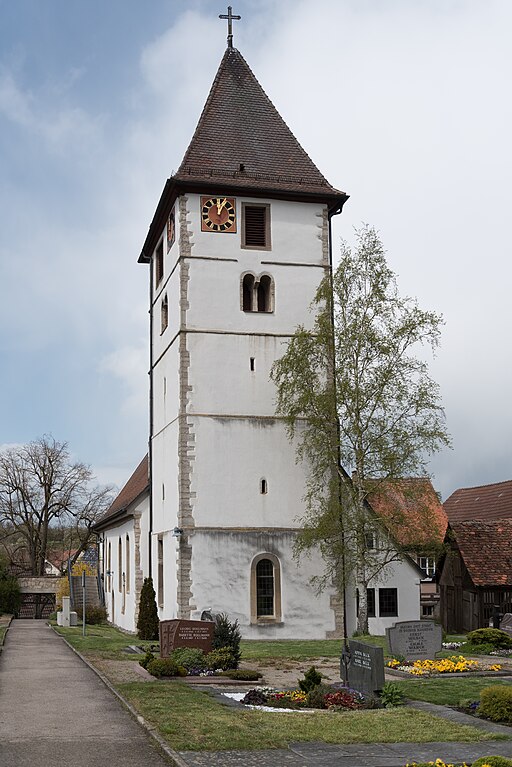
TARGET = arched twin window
(257,293)
(265,589)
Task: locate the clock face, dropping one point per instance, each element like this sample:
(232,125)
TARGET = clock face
(218,214)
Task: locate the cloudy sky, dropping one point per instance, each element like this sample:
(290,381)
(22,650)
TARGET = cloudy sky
(404,104)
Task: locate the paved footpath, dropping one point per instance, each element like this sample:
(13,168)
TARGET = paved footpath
(56,712)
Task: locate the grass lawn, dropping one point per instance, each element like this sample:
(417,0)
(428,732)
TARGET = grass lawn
(194,721)
(299,649)
(447,691)
(101,641)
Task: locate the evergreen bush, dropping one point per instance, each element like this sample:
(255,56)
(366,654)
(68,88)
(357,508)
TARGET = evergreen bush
(189,657)
(227,634)
(493,761)
(495,637)
(94,615)
(242,674)
(163,667)
(147,622)
(146,659)
(221,658)
(496,703)
(10,595)
(311,679)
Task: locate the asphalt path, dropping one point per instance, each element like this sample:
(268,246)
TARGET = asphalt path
(56,712)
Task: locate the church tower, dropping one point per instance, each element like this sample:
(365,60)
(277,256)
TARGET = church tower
(236,249)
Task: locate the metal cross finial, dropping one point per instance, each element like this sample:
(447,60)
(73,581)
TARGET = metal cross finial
(229,16)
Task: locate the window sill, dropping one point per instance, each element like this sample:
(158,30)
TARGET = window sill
(267,622)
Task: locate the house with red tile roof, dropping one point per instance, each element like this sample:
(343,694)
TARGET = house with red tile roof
(414,516)
(476,574)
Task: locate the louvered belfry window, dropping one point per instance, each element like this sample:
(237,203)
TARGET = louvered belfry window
(256,226)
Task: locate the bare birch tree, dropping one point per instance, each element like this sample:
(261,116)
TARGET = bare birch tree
(362,410)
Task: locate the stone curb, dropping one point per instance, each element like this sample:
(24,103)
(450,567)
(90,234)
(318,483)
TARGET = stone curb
(5,622)
(152,731)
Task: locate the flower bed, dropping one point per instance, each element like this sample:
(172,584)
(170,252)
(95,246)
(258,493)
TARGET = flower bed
(329,698)
(456,664)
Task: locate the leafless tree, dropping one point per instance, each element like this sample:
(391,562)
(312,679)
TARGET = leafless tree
(41,488)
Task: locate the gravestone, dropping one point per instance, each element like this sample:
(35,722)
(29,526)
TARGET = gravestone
(66,616)
(180,633)
(365,667)
(415,640)
(506,624)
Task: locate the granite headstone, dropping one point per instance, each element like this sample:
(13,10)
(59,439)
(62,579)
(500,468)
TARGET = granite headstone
(506,624)
(415,640)
(365,667)
(181,633)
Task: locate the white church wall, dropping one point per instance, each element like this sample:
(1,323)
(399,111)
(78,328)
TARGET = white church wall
(165,478)
(120,586)
(166,568)
(166,389)
(255,393)
(169,287)
(221,577)
(232,456)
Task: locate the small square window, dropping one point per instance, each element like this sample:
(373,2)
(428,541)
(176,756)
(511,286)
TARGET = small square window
(256,226)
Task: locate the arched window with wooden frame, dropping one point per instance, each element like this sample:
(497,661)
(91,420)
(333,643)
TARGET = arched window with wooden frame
(257,293)
(265,589)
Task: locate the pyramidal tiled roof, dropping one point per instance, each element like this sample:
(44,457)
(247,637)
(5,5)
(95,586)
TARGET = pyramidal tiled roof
(487,502)
(241,139)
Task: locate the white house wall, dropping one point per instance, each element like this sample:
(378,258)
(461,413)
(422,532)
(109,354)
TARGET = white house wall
(122,604)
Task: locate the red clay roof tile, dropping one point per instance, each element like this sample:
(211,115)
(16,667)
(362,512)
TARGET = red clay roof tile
(485,549)
(138,482)
(487,502)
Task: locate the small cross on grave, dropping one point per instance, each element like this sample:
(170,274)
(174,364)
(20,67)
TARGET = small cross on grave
(229,16)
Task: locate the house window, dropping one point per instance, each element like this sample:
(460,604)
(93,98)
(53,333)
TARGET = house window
(265,589)
(256,226)
(428,565)
(388,603)
(159,262)
(370,602)
(109,566)
(164,314)
(257,293)
(427,611)
(120,565)
(370,540)
(160,574)
(127,564)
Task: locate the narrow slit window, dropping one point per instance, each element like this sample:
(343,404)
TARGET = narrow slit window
(252,364)
(264,294)
(263,487)
(160,571)
(164,314)
(159,262)
(248,293)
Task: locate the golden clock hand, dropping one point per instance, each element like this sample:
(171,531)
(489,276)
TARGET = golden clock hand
(221,205)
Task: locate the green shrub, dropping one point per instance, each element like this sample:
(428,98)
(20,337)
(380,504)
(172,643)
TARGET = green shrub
(10,595)
(146,659)
(221,658)
(94,615)
(311,679)
(147,622)
(227,634)
(495,637)
(242,674)
(391,695)
(493,761)
(316,696)
(496,703)
(162,667)
(189,657)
